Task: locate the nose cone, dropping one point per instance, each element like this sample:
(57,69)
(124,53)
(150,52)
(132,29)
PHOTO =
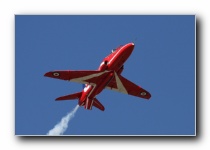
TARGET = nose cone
(131,45)
(129,49)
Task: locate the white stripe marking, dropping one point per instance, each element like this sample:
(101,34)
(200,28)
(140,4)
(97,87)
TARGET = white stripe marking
(82,79)
(120,86)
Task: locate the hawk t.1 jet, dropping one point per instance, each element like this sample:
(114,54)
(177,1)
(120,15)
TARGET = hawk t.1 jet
(107,76)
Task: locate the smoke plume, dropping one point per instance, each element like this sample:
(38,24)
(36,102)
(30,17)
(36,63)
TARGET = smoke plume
(61,127)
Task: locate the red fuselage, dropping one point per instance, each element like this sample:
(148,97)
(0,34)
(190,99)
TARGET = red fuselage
(112,63)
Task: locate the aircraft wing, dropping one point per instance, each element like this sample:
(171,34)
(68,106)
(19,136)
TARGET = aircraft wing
(123,85)
(80,76)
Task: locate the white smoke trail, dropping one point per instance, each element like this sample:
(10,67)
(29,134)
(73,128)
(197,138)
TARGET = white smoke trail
(61,127)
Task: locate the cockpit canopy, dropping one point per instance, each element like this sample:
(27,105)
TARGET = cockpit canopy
(113,50)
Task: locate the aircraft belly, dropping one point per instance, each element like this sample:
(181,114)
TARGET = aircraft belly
(101,85)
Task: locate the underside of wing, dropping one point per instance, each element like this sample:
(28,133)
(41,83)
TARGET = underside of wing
(123,85)
(80,76)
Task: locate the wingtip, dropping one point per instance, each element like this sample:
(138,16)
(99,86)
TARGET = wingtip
(57,99)
(148,96)
(46,74)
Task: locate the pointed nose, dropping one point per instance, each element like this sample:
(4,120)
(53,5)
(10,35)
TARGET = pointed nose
(131,45)
(129,48)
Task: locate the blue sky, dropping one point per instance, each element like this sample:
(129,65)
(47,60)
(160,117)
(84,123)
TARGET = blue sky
(163,62)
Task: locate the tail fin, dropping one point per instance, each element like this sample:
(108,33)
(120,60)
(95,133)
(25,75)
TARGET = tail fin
(70,97)
(98,105)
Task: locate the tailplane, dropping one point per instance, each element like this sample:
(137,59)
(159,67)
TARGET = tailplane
(70,97)
(88,103)
(98,105)
(93,102)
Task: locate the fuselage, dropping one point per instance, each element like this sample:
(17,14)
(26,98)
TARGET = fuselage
(111,64)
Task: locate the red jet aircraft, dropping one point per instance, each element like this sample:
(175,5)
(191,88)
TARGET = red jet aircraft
(107,76)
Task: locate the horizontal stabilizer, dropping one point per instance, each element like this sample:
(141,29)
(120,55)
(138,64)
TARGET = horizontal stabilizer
(97,104)
(70,97)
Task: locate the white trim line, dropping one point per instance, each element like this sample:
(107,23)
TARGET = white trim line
(120,86)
